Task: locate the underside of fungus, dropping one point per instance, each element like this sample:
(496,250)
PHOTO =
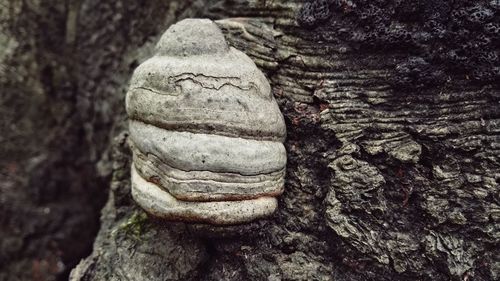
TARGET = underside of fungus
(205,131)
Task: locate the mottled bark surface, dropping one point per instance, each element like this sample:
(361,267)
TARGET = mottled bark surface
(393,150)
(64,69)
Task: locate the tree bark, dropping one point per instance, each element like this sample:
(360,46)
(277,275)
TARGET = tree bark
(393,163)
(64,69)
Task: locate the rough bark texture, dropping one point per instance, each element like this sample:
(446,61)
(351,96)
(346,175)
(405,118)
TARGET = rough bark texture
(64,69)
(393,142)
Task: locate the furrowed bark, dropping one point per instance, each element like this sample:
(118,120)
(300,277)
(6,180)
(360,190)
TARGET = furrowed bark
(384,181)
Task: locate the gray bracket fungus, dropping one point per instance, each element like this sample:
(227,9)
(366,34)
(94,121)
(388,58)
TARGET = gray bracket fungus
(205,131)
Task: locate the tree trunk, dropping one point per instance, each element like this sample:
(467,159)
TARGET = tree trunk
(392,139)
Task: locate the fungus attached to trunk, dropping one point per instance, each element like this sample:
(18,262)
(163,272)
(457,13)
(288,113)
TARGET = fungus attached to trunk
(206,133)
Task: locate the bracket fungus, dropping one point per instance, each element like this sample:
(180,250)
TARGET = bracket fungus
(206,133)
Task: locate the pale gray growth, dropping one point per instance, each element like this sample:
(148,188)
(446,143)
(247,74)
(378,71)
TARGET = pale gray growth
(204,129)
(217,93)
(207,185)
(163,205)
(192,37)
(205,152)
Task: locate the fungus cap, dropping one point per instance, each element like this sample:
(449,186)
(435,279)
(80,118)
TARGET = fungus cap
(205,130)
